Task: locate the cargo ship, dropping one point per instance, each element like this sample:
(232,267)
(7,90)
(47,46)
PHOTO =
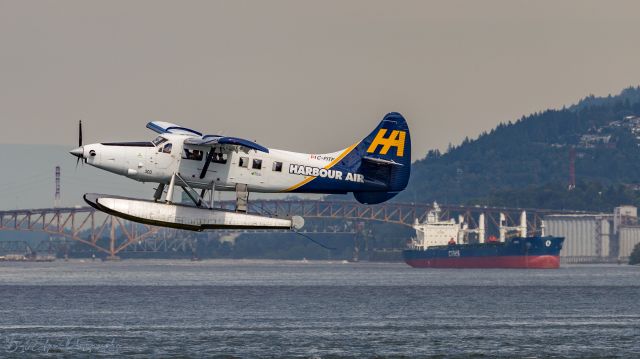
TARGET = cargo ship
(450,244)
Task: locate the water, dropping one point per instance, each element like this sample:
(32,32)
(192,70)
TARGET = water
(149,308)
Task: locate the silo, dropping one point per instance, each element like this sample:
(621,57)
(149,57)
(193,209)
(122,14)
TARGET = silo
(586,236)
(629,237)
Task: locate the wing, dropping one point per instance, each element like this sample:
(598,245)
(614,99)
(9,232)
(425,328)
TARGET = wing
(214,140)
(168,127)
(207,140)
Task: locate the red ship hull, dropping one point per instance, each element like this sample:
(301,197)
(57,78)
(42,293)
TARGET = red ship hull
(529,262)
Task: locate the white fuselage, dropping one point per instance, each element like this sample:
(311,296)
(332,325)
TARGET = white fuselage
(276,171)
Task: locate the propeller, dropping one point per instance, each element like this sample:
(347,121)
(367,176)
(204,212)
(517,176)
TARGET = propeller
(79,140)
(78,152)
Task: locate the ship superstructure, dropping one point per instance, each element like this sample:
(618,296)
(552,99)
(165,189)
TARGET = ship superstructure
(436,232)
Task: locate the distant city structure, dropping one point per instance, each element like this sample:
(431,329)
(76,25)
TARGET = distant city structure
(601,137)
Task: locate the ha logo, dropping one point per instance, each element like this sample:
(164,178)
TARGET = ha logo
(396,139)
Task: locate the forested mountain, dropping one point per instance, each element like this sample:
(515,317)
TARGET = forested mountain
(516,160)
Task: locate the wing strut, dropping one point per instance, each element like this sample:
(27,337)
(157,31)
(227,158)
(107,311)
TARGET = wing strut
(207,163)
(192,192)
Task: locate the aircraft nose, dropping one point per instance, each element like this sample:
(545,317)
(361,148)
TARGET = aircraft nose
(78,152)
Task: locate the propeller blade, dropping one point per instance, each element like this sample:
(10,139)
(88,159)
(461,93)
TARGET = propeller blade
(80,133)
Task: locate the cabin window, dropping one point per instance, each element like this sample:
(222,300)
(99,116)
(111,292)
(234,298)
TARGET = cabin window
(167,148)
(158,140)
(195,155)
(257,164)
(277,166)
(219,158)
(243,162)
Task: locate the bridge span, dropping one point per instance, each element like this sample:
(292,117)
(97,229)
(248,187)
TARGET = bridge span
(86,225)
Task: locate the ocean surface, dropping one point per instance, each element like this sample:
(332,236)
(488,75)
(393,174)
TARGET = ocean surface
(257,309)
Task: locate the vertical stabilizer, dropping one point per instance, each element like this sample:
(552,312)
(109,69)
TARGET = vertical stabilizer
(385,159)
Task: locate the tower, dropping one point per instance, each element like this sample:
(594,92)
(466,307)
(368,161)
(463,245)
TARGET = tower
(56,202)
(572,168)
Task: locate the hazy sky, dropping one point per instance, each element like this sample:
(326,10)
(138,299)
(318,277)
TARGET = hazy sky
(311,76)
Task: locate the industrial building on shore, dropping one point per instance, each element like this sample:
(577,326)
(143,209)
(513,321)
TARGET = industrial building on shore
(596,238)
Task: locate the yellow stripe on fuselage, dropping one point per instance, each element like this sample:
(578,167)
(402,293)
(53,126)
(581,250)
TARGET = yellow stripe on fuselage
(333,163)
(342,155)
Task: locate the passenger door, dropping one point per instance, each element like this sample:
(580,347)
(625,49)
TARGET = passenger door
(166,156)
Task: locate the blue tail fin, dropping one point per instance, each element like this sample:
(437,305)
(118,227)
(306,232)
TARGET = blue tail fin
(385,159)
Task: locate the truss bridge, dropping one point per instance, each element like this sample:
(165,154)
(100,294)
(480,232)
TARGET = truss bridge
(111,235)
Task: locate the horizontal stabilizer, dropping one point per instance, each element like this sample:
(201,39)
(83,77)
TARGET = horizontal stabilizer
(381,161)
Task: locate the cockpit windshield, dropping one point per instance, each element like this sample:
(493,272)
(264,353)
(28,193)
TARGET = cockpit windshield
(159,140)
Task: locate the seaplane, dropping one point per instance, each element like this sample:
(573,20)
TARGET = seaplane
(374,169)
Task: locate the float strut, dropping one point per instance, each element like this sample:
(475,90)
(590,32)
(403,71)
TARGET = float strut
(202,194)
(212,194)
(158,194)
(170,190)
